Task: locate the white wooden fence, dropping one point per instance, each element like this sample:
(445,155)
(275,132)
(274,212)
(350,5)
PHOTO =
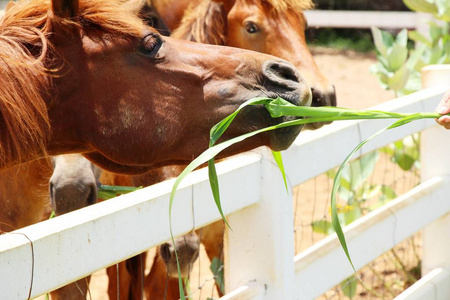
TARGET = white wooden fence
(366,19)
(362,19)
(259,252)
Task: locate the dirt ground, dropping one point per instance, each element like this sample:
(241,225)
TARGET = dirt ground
(355,87)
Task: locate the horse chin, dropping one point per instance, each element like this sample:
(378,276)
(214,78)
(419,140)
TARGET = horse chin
(314,126)
(102,161)
(282,138)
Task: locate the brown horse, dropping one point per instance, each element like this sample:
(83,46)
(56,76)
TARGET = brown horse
(89,76)
(65,65)
(275,27)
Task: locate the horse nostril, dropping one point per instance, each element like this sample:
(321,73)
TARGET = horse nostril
(92,195)
(164,250)
(52,194)
(280,72)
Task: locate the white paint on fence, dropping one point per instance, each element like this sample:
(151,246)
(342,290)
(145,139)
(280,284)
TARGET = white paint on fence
(369,237)
(362,19)
(76,244)
(267,257)
(433,286)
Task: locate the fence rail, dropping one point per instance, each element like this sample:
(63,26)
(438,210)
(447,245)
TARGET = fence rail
(362,19)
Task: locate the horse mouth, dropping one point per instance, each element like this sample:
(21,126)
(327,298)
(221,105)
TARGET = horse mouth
(320,98)
(282,138)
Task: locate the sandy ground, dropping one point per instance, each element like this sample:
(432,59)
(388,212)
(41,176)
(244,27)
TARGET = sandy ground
(355,87)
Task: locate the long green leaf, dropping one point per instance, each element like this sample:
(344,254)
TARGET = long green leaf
(106,192)
(278,108)
(279,160)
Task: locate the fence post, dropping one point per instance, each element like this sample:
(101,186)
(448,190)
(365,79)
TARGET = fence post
(259,248)
(435,161)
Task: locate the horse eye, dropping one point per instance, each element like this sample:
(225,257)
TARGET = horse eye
(251,27)
(150,44)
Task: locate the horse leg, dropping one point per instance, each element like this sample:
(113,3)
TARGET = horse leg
(118,281)
(136,268)
(77,290)
(211,237)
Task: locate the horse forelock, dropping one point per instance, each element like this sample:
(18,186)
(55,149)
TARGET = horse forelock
(25,51)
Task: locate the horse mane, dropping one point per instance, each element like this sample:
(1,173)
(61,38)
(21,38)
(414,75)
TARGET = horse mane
(27,51)
(206,22)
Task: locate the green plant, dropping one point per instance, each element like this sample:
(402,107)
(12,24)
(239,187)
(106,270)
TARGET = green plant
(440,9)
(398,68)
(355,190)
(278,108)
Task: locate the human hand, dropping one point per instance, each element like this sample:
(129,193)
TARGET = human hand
(444,108)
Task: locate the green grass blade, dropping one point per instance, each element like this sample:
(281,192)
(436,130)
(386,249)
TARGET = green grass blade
(279,160)
(106,192)
(337,179)
(214,183)
(279,108)
(218,129)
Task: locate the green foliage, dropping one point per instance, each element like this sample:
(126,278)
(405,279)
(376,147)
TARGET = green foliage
(348,286)
(359,40)
(440,9)
(405,153)
(216,268)
(354,189)
(398,68)
(323,227)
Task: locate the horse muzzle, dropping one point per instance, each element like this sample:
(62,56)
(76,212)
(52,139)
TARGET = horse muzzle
(321,98)
(283,80)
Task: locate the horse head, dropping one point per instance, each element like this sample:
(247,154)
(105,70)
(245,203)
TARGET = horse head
(128,98)
(276,27)
(73,184)
(187,247)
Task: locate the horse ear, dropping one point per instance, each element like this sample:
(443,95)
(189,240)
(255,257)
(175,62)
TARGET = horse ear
(204,23)
(65,8)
